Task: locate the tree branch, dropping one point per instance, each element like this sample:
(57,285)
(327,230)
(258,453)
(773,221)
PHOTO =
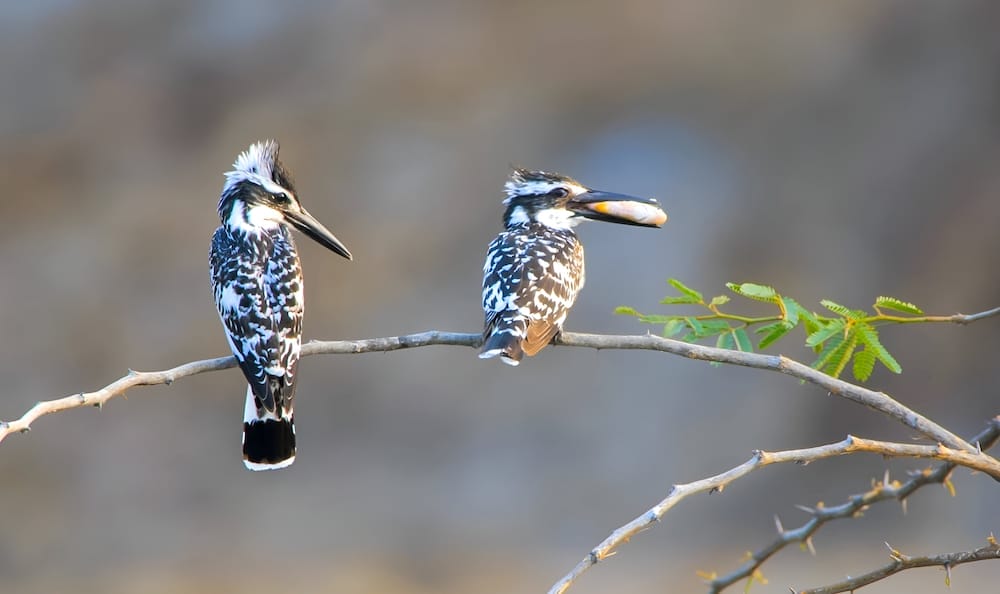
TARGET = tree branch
(968,319)
(760,459)
(855,504)
(902,562)
(874,400)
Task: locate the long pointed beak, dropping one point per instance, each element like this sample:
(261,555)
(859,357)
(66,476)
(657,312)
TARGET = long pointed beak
(306,223)
(618,208)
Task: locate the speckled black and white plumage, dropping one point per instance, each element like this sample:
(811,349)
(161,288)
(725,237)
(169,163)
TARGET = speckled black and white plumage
(532,276)
(257,280)
(534,269)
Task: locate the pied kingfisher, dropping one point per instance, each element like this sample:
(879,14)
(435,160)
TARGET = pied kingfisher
(534,268)
(257,280)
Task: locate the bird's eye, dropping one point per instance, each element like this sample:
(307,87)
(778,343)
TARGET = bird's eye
(559,192)
(282,197)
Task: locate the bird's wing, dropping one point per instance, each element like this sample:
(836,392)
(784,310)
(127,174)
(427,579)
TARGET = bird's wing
(552,295)
(523,274)
(283,285)
(246,315)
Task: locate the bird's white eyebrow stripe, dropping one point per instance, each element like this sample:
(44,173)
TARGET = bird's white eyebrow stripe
(538,187)
(235,177)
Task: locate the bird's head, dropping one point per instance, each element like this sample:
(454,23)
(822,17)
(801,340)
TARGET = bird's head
(560,202)
(259,194)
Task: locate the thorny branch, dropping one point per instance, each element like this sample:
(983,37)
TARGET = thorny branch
(902,562)
(951,448)
(881,491)
(875,400)
(760,459)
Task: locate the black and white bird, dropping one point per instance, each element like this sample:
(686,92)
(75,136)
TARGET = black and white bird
(534,269)
(257,280)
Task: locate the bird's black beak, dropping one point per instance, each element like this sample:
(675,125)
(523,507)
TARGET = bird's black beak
(618,208)
(306,223)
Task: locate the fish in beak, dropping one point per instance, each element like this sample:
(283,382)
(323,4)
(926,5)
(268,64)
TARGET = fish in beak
(618,208)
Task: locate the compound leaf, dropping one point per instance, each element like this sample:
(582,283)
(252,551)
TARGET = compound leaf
(898,305)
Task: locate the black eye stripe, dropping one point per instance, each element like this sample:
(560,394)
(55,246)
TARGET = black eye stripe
(559,192)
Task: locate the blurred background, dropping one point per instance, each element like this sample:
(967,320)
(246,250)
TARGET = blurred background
(835,150)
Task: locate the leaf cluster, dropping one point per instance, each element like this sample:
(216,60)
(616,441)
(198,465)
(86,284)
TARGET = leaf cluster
(838,339)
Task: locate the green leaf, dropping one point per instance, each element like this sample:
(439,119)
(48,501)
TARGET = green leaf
(772,333)
(624,310)
(792,310)
(713,327)
(685,290)
(827,350)
(837,363)
(754,291)
(834,360)
(680,300)
(864,364)
(898,305)
(694,324)
(726,341)
(825,332)
(656,318)
(869,336)
(719,300)
(743,340)
(673,327)
(697,330)
(851,314)
(836,308)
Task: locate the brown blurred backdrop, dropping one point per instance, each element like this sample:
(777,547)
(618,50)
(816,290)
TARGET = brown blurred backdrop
(840,150)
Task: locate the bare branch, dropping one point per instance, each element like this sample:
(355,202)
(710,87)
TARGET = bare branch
(169,376)
(760,459)
(901,562)
(968,319)
(116,388)
(875,400)
(882,491)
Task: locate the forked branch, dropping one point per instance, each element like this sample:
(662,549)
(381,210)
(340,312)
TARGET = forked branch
(882,491)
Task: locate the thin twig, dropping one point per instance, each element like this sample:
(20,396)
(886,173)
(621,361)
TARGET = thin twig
(901,562)
(882,491)
(760,459)
(875,400)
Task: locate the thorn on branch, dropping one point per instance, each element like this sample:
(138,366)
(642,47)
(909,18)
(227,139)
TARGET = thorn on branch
(810,545)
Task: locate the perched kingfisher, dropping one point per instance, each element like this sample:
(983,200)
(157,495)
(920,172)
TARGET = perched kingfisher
(257,280)
(534,268)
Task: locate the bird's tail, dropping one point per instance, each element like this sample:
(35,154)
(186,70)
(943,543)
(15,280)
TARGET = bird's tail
(268,437)
(504,341)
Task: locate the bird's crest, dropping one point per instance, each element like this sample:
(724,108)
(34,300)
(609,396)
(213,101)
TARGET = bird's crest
(259,164)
